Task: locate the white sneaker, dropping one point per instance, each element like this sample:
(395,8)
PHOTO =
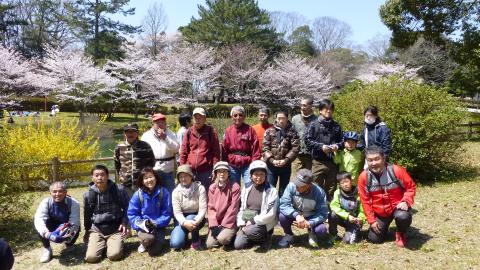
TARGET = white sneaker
(141,249)
(46,255)
(312,240)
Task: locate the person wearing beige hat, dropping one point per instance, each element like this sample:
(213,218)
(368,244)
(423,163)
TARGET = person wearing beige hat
(223,204)
(189,200)
(200,148)
(165,146)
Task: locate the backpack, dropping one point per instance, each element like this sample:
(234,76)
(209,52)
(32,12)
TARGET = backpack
(141,199)
(92,197)
(391,175)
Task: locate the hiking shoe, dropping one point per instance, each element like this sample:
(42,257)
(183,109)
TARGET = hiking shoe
(267,245)
(141,249)
(400,239)
(196,245)
(354,236)
(46,255)
(312,240)
(286,241)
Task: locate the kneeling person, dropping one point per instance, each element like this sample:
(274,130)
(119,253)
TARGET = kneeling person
(150,211)
(304,205)
(346,210)
(57,219)
(258,209)
(105,217)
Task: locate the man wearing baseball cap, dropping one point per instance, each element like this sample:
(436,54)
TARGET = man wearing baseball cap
(304,205)
(165,146)
(200,148)
(131,156)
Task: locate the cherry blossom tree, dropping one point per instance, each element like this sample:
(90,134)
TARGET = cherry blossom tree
(375,71)
(72,76)
(288,80)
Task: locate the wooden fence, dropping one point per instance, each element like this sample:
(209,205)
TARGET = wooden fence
(471,129)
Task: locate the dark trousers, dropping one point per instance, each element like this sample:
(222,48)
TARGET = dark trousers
(403,220)
(325,175)
(286,222)
(282,173)
(350,228)
(51,227)
(250,235)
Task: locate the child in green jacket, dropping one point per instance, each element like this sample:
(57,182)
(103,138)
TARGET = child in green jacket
(346,210)
(350,159)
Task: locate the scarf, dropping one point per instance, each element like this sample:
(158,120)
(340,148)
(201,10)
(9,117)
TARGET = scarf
(188,191)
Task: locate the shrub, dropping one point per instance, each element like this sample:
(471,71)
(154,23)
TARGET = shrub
(422,119)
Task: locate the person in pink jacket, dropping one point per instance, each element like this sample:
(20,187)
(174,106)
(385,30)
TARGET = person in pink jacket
(223,204)
(240,146)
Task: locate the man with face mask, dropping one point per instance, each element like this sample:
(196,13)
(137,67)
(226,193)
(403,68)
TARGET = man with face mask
(300,123)
(375,132)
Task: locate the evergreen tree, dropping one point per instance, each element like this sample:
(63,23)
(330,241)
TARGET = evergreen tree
(301,41)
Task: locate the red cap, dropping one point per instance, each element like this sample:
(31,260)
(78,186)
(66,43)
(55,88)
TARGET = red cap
(158,116)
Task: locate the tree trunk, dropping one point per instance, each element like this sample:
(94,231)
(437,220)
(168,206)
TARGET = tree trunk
(96,32)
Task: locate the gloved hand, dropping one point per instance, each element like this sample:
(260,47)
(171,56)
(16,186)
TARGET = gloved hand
(216,231)
(59,235)
(151,225)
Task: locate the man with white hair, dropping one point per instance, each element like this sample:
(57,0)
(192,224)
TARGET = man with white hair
(240,146)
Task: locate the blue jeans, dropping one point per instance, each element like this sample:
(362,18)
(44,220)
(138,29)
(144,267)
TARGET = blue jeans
(179,234)
(167,180)
(238,173)
(274,173)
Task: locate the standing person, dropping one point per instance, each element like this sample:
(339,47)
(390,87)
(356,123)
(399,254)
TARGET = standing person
(131,156)
(105,217)
(300,123)
(304,205)
(346,210)
(223,204)
(324,137)
(185,121)
(189,201)
(57,219)
(6,256)
(165,146)
(387,193)
(240,146)
(280,147)
(258,209)
(200,148)
(375,132)
(150,211)
(350,159)
(263,125)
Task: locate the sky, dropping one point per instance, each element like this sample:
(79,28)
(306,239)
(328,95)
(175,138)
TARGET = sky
(361,15)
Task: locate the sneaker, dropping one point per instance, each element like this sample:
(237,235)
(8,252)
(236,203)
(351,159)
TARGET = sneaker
(267,245)
(141,249)
(354,236)
(286,241)
(312,240)
(400,239)
(196,245)
(46,255)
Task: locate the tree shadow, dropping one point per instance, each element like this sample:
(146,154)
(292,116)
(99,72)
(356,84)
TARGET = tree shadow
(20,234)
(416,238)
(450,173)
(72,256)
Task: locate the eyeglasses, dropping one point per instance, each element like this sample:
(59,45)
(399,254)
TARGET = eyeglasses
(238,115)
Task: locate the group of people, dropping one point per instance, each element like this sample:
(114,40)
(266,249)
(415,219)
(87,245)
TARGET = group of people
(232,186)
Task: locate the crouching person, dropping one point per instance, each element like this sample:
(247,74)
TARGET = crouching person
(57,219)
(258,209)
(150,211)
(105,217)
(346,210)
(304,205)
(189,201)
(223,203)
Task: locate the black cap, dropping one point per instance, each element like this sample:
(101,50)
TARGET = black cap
(130,126)
(304,177)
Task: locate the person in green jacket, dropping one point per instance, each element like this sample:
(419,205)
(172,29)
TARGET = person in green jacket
(346,210)
(350,159)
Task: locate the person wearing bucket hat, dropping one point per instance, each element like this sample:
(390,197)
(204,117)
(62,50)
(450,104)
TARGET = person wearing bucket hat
(165,146)
(200,148)
(258,209)
(130,157)
(223,199)
(189,200)
(304,205)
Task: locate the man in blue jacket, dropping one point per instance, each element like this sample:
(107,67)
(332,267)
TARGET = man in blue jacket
(150,211)
(304,205)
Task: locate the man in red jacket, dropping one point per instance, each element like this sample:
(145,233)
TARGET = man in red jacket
(200,148)
(387,193)
(240,146)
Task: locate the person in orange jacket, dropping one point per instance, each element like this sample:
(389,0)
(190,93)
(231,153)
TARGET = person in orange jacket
(387,192)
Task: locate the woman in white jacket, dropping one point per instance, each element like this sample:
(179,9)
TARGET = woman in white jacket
(258,209)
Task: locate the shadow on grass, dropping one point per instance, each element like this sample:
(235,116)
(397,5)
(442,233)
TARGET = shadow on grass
(123,119)
(20,234)
(416,238)
(450,173)
(73,256)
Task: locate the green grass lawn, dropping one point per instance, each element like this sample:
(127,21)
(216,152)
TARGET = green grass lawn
(444,235)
